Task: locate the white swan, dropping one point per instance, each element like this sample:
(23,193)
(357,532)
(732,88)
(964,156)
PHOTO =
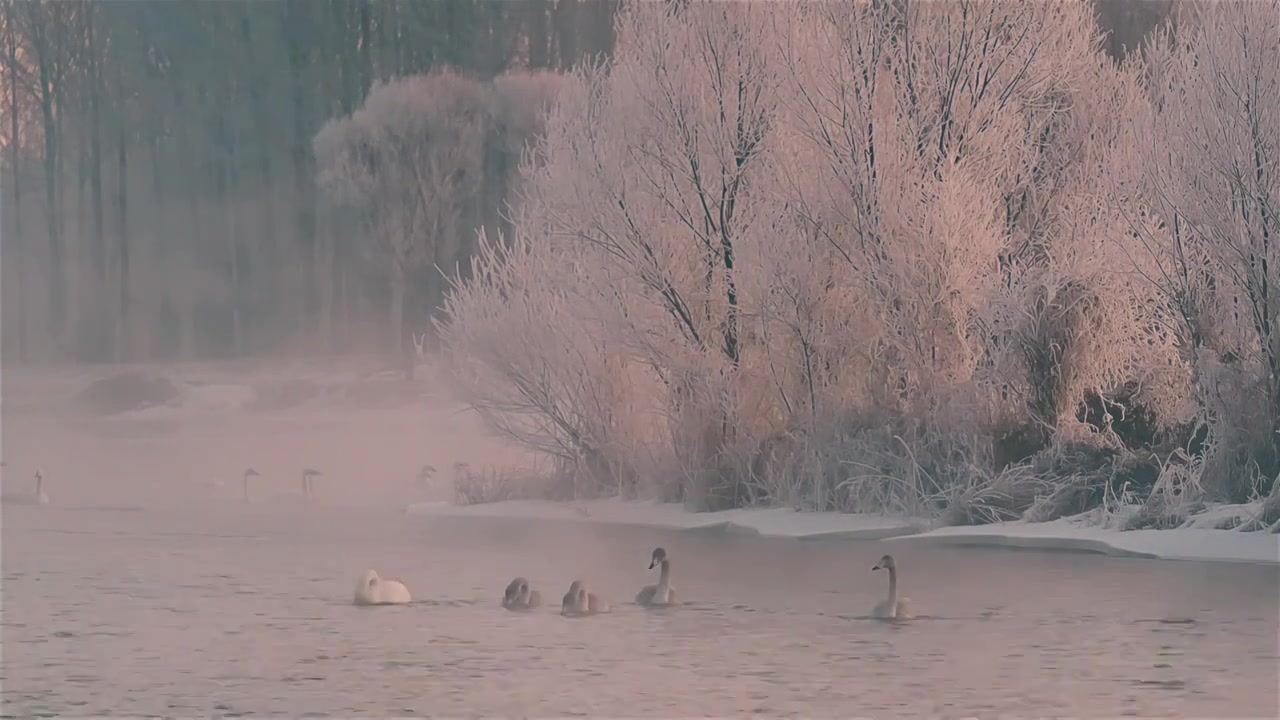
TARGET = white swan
(578,601)
(373,590)
(892,607)
(518,596)
(661,594)
(28,498)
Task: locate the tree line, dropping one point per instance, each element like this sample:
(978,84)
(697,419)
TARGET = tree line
(160,194)
(159,182)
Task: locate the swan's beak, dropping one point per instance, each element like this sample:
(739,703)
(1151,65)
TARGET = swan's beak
(651,565)
(877,567)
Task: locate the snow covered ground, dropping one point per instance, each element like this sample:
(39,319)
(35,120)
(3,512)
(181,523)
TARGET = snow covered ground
(1176,544)
(771,522)
(1194,542)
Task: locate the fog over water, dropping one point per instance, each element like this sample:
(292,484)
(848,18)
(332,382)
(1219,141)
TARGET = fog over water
(149,587)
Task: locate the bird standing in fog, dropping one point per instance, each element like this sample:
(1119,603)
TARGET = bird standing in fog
(661,594)
(248,473)
(307,475)
(32,498)
(893,607)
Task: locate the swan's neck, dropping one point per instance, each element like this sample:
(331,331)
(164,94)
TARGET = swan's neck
(664,579)
(39,486)
(893,587)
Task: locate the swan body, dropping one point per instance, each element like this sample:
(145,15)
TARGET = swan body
(373,590)
(518,596)
(38,497)
(579,602)
(663,593)
(892,607)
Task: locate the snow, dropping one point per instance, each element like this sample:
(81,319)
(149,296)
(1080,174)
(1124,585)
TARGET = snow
(767,522)
(1184,543)
(1197,541)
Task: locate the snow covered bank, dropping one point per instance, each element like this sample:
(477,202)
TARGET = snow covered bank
(773,522)
(1187,543)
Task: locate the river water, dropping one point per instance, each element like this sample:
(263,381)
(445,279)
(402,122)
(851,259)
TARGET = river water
(225,610)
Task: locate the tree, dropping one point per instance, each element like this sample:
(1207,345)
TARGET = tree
(785,225)
(1207,231)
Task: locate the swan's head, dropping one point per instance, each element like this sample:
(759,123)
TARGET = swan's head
(251,473)
(886,563)
(370,578)
(427,472)
(659,556)
(311,472)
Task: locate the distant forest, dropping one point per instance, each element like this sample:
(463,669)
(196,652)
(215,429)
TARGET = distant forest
(161,196)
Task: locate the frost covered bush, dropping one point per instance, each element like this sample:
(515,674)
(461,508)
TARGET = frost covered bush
(908,257)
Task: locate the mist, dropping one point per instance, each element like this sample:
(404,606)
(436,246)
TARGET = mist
(861,358)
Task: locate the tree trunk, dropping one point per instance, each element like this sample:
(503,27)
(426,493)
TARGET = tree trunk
(122,212)
(398,297)
(102,315)
(300,155)
(53,211)
(16,250)
(566,19)
(539,45)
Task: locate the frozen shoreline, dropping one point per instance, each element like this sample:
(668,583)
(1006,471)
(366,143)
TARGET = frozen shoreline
(1174,544)
(767,522)
(1069,534)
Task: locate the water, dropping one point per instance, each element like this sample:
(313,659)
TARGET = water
(219,610)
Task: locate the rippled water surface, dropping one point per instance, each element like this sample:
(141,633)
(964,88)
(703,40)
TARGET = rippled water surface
(220,610)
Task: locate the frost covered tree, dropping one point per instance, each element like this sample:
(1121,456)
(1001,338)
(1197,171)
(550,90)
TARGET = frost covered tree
(775,248)
(1206,232)
(650,183)
(947,155)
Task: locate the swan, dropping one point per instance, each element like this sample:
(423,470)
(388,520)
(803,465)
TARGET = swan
(892,607)
(373,590)
(580,602)
(28,498)
(248,474)
(661,594)
(518,596)
(307,475)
